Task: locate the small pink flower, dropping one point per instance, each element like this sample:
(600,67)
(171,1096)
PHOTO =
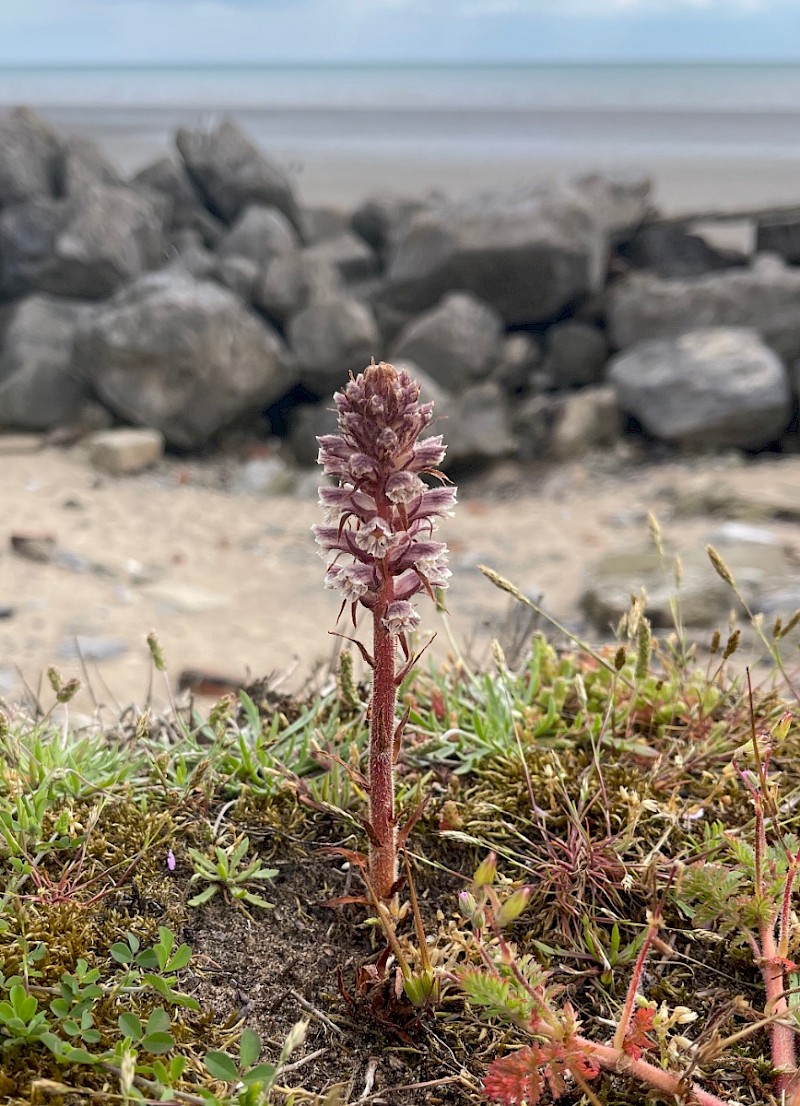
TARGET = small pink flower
(401,617)
(374,537)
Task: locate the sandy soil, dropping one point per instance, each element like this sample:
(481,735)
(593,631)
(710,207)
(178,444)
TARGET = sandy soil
(231,583)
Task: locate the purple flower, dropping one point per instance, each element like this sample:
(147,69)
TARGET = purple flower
(379,549)
(382,514)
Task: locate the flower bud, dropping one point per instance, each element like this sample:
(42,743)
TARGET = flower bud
(513,907)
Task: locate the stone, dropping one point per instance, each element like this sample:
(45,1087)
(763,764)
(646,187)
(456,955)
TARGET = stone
(232,173)
(82,164)
(616,201)
(779,234)
(38,389)
(184,598)
(530,252)
(16,444)
(703,597)
(29,153)
(192,256)
(457,342)
(671,251)
(519,368)
(348,254)
(126,450)
(186,208)
(382,220)
(92,648)
(84,247)
(265,476)
(331,337)
(532,421)
(716,388)
(182,356)
(240,274)
(477,429)
(34,547)
(288,283)
(576,354)
(320,223)
(584,421)
(765,297)
(733,532)
(307,422)
(259,234)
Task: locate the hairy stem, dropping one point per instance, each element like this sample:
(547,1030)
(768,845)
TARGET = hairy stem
(782,1037)
(383,838)
(614,1059)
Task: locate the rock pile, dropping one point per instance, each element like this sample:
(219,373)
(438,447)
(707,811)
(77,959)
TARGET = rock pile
(201,294)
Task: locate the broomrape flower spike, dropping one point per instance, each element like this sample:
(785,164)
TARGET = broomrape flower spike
(380,554)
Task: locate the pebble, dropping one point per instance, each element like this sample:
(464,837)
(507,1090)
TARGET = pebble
(34,547)
(126,450)
(92,648)
(20,443)
(183,599)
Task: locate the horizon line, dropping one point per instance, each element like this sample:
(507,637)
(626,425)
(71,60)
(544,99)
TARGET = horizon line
(394,63)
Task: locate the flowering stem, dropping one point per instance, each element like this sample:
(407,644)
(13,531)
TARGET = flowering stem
(380,554)
(383,838)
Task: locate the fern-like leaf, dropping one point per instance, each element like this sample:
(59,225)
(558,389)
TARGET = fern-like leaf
(515,1079)
(483,989)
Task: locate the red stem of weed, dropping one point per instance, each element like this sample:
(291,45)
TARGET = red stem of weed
(782,1050)
(633,987)
(383,840)
(614,1059)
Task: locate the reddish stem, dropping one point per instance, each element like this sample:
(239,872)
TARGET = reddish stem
(636,978)
(672,1086)
(383,838)
(782,1036)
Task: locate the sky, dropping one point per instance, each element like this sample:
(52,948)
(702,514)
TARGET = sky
(162,31)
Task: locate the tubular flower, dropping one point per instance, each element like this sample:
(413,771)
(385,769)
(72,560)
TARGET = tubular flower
(382,515)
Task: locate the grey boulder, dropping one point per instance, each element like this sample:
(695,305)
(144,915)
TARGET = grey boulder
(477,429)
(671,251)
(82,164)
(240,274)
(780,234)
(29,156)
(38,388)
(348,254)
(186,209)
(259,234)
(765,297)
(519,368)
(84,247)
(583,421)
(529,253)
(331,337)
(320,223)
(526,255)
(576,354)
(457,342)
(382,220)
(232,173)
(290,281)
(182,356)
(712,388)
